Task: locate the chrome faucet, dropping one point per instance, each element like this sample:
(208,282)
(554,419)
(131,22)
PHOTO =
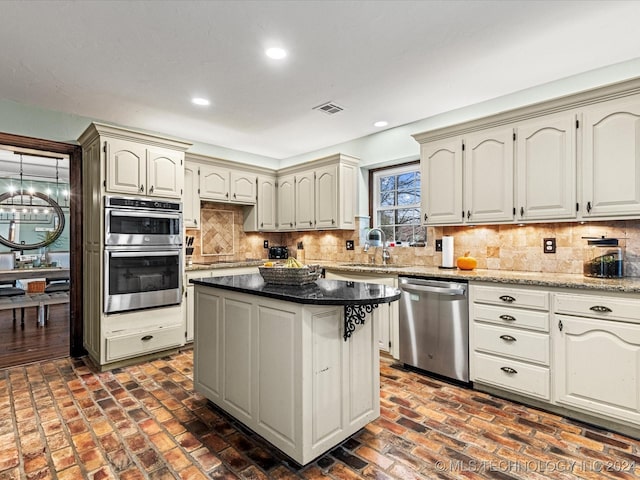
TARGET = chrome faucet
(377,239)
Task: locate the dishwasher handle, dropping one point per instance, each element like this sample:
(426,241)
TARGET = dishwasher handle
(408,287)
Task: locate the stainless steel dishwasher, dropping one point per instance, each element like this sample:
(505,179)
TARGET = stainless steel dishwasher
(434,326)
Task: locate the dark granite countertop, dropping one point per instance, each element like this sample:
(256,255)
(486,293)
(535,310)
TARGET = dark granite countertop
(321,292)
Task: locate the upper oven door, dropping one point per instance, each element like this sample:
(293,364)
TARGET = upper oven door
(142,227)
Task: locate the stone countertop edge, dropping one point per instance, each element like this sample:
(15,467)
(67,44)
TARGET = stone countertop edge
(219,265)
(321,292)
(543,279)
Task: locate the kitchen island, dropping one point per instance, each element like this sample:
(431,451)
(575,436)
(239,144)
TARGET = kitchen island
(299,365)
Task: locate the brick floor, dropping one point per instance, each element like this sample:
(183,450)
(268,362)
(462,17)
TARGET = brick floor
(62,420)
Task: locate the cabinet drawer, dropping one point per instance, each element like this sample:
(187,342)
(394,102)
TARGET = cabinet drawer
(513,317)
(144,342)
(514,297)
(513,343)
(612,308)
(530,380)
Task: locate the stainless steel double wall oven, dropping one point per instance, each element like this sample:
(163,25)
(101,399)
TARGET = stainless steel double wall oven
(142,253)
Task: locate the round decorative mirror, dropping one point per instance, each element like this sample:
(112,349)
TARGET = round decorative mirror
(31,208)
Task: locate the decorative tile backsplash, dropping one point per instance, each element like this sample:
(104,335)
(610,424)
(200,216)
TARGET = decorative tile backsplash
(496,247)
(218,231)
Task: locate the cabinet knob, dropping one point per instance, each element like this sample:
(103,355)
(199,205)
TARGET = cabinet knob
(151,189)
(142,188)
(509,370)
(508,338)
(600,309)
(507,318)
(507,298)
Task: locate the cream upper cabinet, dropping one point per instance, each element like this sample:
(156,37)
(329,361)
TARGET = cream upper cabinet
(286,202)
(191,199)
(214,183)
(546,168)
(488,166)
(305,200)
(267,201)
(326,197)
(441,170)
(611,159)
(135,169)
(225,185)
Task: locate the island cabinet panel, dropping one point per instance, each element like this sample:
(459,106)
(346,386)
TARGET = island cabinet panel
(328,380)
(364,374)
(238,371)
(208,344)
(278,366)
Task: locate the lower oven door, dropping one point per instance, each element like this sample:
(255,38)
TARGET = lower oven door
(136,279)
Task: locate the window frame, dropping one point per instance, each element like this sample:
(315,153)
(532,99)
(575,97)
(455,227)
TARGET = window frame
(373,188)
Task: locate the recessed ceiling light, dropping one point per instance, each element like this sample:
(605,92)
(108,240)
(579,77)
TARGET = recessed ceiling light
(381,123)
(200,101)
(276,53)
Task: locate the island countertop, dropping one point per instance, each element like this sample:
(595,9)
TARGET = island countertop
(321,292)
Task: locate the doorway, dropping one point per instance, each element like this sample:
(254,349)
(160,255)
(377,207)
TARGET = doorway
(40,234)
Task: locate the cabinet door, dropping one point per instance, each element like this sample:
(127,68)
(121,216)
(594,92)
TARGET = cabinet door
(326,201)
(189,293)
(488,164)
(441,170)
(266,203)
(607,383)
(305,200)
(611,159)
(126,167)
(214,183)
(165,173)
(546,168)
(243,187)
(286,202)
(191,203)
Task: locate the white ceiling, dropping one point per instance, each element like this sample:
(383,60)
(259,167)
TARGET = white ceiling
(138,63)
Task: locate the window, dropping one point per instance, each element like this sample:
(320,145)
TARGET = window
(396,203)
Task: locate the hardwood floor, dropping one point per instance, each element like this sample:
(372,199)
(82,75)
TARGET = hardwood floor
(34,343)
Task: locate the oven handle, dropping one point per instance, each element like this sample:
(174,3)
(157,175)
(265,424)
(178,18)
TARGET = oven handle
(143,214)
(146,253)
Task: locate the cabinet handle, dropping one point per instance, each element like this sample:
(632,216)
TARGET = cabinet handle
(195,222)
(290,224)
(522,211)
(146,338)
(261,224)
(507,318)
(560,325)
(468,214)
(588,207)
(507,298)
(142,188)
(425,217)
(508,370)
(333,222)
(310,223)
(234,195)
(600,309)
(226,195)
(151,189)
(508,338)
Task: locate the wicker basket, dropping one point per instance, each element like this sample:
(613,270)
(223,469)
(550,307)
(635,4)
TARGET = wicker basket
(290,276)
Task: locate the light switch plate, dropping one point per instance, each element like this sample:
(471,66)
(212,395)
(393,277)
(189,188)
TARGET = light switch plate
(266,244)
(549,245)
(438,244)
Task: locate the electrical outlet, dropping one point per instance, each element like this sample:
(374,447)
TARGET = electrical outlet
(266,244)
(438,244)
(349,245)
(549,245)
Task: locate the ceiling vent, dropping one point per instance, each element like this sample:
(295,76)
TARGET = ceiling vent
(329,108)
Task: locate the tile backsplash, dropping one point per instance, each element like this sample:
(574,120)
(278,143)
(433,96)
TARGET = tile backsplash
(496,247)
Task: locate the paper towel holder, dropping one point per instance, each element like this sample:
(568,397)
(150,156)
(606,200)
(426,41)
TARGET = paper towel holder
(447,250)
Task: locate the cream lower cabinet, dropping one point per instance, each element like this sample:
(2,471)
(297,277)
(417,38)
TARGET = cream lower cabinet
(386,315)
(509,339)
(189,291)
(596,347)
